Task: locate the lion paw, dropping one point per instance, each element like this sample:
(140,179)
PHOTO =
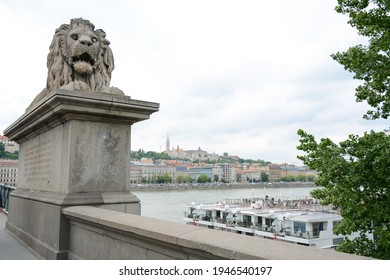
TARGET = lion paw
(113,90)
(76,85)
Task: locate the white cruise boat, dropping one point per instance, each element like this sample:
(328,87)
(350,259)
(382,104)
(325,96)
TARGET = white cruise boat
(300,220)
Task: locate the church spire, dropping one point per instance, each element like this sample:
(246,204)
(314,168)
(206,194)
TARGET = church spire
(168,144)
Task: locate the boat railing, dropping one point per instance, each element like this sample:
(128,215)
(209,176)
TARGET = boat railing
(5,191)
(280,201)
(287,232)
(265,228)
(301,234)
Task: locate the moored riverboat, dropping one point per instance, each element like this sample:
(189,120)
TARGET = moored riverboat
(299,220)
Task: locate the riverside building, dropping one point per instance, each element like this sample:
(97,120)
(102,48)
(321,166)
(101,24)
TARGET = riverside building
(8,172)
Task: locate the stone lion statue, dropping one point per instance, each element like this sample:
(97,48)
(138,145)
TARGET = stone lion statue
(80,58)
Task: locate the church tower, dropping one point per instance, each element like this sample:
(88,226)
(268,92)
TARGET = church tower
(168,144)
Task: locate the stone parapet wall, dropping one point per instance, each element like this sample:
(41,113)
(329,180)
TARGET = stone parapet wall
(96,233)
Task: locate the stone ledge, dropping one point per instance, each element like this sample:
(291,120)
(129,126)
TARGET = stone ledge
(211,242)
(86,198)
(147,227)
(64,105)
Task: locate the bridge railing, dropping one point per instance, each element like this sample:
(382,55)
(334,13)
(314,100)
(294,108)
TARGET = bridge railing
(94,232)
(5,191)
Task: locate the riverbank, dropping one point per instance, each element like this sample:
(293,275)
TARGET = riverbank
(171,204)
(219,186)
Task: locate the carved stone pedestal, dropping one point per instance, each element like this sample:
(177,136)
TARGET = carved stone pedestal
(74,150)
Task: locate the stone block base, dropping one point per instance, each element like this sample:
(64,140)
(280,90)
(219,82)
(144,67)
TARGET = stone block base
(36,218)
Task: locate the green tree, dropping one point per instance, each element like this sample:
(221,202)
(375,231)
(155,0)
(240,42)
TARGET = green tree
(264,177)
(355,174)
(301,178)
(180,179)
(370,63)
(310,178)
(153,179)
(203,178)
(164,179)
(150,154)
(188,179)
(7,155)
(288,178)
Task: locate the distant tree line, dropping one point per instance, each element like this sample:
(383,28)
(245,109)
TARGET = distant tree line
(298,178)
(158,179)
(7,155)
(137,155)
(149,154)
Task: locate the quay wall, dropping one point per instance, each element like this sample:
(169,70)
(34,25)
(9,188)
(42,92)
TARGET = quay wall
(212,186)
(97,233)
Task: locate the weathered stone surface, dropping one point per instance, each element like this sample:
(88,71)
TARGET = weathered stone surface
(74,142)
(148,238)
(40,226)
(74,150)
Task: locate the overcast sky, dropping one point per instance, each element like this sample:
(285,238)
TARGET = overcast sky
(231,76)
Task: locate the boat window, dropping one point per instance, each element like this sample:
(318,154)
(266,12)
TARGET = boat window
(268,222)
(317,227)
(225,214)
(247,219)
(299,226)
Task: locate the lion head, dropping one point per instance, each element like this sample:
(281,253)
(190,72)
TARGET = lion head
(80,58)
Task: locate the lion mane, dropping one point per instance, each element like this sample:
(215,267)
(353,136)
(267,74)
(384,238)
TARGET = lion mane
(79,58)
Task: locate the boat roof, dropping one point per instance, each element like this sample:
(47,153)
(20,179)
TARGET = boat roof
(299,215)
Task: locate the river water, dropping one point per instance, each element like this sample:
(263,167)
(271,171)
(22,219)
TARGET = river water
(170,204)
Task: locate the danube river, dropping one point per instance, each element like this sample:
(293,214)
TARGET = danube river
(170,204)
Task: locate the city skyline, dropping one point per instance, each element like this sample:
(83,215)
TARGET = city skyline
(237,78)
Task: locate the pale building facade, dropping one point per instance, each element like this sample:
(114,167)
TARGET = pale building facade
(277,171)
(195,172)
(9,172)
(9,146)
(149,172)
(228,173)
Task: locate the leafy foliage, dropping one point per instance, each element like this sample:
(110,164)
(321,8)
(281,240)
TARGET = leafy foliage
(298,178)
(183,179)
(370,63)
(7,155)
(264,177)
(203,179)
(355,176)
(150,154)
